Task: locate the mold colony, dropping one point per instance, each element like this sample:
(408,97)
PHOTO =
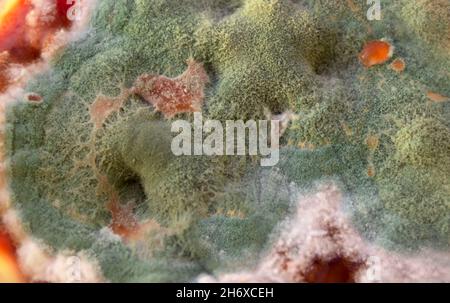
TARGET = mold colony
(375,127)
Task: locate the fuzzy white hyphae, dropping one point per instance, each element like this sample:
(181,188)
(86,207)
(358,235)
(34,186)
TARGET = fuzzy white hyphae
(320,240)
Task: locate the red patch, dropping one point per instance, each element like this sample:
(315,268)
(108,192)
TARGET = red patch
(63,7)
(336,270)
(35,98)
(25,30)
(171,96)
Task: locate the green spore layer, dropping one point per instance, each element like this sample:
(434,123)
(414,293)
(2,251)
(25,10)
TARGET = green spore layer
(373,130)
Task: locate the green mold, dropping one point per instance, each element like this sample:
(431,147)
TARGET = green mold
(261,56)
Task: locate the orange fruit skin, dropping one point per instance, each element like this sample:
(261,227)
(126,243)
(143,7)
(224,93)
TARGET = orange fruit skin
(15,32)
(9,268)
(12,25)
(375,52)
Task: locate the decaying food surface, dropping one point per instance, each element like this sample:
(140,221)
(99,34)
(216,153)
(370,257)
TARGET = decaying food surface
(90,172)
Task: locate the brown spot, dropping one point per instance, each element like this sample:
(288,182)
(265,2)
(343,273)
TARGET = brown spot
(4,59)
(371,171)
(24,55)
(332,231)
(171,96)
(398,65)
(4,79)
(125,224)
(376,52)
(335,270)
(373,141)
(353,7)
(123,220)
(285,261)
(438,98)
(104,106)
(35,98)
